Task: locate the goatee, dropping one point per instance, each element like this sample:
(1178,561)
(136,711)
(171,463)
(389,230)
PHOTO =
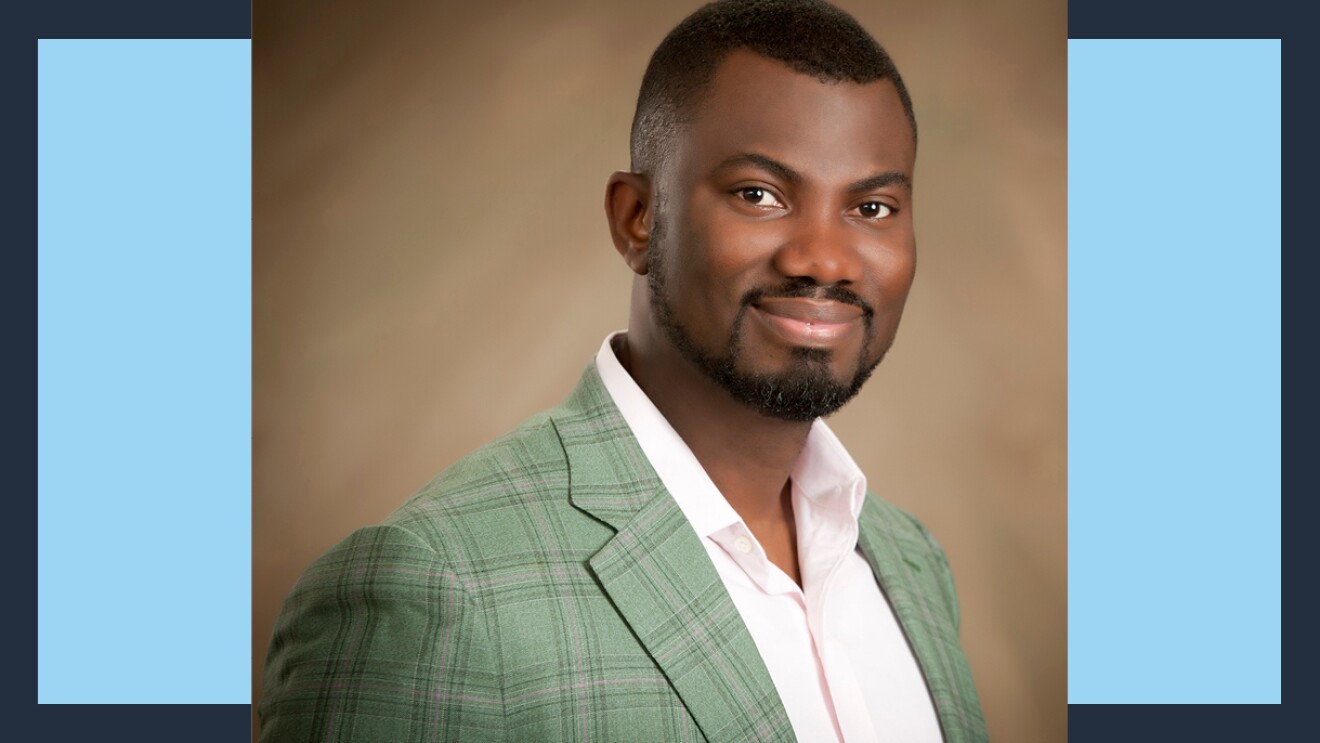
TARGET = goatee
(806,390)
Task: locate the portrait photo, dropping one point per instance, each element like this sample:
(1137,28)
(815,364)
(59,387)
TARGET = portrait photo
(452,215)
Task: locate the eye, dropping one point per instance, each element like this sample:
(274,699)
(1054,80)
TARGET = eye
(875,210)
(757,196)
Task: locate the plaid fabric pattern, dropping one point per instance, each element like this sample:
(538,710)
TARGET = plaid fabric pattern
(548,588)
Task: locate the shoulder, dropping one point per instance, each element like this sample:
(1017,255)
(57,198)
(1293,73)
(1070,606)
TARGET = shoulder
(899,524)
(907,541)
(491,484)
(429,603)
(398,612)
(348,644)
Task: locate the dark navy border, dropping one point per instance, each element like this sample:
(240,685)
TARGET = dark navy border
(232,19)
(1178,19)
(78,19)
(1215,19)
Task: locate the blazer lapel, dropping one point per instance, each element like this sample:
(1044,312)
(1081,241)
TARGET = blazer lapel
(657,573)
(905,565)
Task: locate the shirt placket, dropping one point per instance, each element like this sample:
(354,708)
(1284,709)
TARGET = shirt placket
(832,539)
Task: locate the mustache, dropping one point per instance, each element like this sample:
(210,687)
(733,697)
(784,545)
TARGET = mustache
(808,289)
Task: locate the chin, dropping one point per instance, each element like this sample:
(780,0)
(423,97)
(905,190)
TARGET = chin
(801,392)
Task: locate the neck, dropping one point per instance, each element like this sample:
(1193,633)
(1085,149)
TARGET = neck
(749,456)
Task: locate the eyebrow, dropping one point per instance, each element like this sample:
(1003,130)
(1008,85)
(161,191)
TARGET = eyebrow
(880,180)
(770,165)
(782,171)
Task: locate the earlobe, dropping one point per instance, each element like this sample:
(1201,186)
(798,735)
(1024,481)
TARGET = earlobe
(628,213)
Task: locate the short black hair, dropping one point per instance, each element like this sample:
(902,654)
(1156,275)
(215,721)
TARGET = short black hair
(810,36)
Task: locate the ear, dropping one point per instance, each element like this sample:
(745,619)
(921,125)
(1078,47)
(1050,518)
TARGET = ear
(628,211)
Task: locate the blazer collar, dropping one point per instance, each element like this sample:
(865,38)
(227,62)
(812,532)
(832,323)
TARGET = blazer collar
(657,573)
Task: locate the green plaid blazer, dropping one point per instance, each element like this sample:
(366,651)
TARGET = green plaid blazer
(548,588)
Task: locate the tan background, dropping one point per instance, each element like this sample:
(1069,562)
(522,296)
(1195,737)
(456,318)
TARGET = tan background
(431,265)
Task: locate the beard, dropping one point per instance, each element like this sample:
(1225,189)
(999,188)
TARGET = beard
(804,391)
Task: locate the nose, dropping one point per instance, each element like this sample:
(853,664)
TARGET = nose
(820,248)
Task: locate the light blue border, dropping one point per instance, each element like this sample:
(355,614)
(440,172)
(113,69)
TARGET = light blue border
(143,368)
(1173,355)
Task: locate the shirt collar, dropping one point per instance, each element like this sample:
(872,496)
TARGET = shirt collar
(824,472)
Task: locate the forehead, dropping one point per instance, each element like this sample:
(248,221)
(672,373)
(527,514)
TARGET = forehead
(827,128)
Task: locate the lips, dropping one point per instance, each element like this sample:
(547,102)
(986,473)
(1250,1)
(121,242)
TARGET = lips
(808,322)
(821,311)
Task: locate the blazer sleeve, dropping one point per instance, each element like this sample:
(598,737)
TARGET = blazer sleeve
(380,641)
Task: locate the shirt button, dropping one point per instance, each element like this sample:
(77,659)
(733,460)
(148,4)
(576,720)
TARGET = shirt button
(743,545)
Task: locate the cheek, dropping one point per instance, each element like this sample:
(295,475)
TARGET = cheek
(900,280)
(895,267)
(892,272)
(716,260)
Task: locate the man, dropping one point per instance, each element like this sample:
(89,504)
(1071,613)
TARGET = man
(682,550)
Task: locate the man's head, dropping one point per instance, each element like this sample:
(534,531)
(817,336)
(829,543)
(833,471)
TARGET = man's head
(812,37)
(768,217)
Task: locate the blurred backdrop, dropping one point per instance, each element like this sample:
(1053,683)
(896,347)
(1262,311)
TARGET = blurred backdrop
(428,178)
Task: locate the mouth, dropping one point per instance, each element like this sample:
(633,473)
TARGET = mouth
(809,322)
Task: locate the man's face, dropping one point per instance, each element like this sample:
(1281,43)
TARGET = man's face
(782,249)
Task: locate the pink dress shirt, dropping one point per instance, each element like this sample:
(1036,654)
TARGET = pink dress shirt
(836,654)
